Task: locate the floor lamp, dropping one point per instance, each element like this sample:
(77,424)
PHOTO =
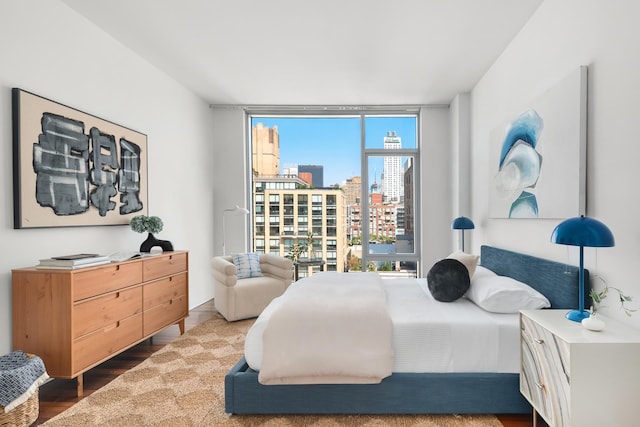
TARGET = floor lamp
(462,223)
(237,211)
(582,231)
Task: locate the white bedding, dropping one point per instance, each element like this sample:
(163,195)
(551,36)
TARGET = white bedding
(428,335)
(351,328)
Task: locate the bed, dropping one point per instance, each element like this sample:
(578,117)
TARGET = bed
(414,393)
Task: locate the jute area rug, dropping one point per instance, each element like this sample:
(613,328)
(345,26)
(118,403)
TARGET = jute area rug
(183,385)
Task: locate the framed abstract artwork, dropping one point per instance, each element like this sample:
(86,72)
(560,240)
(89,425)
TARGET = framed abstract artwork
(538,155)
(74,169)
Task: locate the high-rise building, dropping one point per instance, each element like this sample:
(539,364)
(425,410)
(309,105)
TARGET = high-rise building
(393,182)
(287,211)
(265,150)
(352,189)
(317,174)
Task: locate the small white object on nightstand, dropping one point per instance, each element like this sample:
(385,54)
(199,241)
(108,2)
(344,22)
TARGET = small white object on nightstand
(593,323)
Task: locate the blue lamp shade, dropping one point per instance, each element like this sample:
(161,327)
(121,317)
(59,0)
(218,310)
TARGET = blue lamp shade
(462,223)
(582,231)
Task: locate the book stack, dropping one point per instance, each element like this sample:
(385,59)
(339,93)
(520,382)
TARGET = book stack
(73,262)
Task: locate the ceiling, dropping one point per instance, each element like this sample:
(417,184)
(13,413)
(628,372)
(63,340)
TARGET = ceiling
(323,52)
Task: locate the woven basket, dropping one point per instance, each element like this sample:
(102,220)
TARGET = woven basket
(24,414)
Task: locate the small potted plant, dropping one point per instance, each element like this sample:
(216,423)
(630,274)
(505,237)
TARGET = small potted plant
(151,225)
(296,251)
(593,322)
(598,297)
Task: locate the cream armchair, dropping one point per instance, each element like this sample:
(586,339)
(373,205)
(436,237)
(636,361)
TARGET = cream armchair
(239,299)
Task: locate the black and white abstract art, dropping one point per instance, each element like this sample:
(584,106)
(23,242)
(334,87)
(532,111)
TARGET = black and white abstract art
(72,168)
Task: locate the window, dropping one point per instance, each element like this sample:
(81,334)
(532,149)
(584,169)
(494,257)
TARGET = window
(313,168)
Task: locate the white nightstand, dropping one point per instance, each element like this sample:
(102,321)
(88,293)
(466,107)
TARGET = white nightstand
(576,377)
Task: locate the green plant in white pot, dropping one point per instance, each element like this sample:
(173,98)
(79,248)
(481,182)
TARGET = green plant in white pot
(594,322)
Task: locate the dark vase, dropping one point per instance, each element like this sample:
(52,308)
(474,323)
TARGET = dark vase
(152,241)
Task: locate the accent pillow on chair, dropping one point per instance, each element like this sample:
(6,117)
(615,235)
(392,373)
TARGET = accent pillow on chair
(448,280)
(247,265)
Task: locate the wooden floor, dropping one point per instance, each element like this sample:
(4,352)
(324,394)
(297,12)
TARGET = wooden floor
(60,394)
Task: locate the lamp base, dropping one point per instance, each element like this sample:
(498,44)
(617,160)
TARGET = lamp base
(577,315)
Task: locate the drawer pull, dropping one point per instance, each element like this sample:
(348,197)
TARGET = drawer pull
(117,295)
(538,340)
(112,327)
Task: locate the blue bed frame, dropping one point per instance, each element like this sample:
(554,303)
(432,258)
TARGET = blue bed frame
(408,393)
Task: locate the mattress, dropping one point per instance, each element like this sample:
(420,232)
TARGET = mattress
(428,335)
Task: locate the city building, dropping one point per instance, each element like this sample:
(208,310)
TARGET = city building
(317,174)
(265,152)
(287,212)
(352,190)
(392,183)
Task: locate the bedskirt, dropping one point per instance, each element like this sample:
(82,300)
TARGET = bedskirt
(401,393)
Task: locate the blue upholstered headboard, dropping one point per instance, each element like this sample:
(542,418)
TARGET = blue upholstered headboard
(557,281)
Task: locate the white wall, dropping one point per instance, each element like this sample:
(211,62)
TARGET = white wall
(230,169)
(435,186)
(48,49)
(460,130)
(561,36)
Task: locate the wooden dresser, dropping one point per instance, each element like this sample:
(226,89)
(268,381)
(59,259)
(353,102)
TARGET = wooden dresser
(575,377)
(77,319)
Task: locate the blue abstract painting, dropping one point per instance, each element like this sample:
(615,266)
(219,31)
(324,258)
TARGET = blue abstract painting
(539,156)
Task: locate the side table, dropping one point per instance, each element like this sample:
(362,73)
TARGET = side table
(306,262)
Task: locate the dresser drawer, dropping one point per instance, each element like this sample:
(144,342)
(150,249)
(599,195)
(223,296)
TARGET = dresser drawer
(163,265)
(164,290)
(165,314)
(111,277)
(103,343)
(98,313)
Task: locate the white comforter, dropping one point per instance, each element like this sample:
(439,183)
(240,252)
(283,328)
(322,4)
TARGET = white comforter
(328,330)
(428,336)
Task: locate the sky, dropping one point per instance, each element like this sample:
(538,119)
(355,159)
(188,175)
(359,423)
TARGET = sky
(335,142)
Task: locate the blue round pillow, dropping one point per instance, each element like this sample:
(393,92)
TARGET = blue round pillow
(448,280)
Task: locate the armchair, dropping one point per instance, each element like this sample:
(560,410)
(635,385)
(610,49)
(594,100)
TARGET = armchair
(244,298)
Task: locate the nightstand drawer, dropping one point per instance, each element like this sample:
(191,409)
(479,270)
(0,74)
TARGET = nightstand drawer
(163,265)
(545,372)
(111,277)
(106,310)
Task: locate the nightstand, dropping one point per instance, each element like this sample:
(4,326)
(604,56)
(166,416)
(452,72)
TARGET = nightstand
(576,377)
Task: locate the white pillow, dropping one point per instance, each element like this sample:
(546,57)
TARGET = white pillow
(247,265)
(502,294)
(469,261)
(484,271)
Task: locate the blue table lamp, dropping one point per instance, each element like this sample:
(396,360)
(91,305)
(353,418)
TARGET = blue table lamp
(462,223)
(582,231)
